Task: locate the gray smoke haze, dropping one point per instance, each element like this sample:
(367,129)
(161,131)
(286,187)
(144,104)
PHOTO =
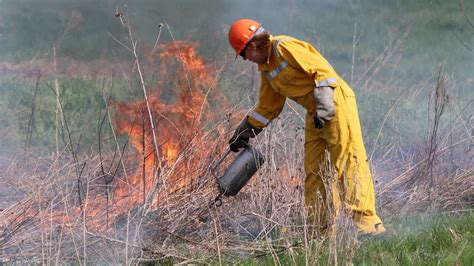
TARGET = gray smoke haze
(438,30)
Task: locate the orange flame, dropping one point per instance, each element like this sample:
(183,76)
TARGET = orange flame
(177,123)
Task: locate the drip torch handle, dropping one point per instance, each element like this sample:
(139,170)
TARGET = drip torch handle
(218,162)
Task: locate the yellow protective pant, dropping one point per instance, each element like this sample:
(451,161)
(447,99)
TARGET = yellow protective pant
(351,183)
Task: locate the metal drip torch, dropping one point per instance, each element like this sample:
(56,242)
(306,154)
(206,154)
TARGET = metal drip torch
(237,174)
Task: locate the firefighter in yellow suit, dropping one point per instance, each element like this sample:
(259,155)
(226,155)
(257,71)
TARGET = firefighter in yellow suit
(294,69)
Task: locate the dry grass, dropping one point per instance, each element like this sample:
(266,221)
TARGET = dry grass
(267,217)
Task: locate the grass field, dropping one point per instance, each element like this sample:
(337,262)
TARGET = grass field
(412,239)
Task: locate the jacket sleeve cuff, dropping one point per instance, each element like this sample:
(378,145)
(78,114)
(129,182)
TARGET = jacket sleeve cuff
(257,120)
(327,82)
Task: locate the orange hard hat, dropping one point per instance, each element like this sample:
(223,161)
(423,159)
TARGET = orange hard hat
(241,32)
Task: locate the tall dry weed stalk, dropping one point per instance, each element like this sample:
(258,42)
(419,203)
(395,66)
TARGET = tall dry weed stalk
(437,166)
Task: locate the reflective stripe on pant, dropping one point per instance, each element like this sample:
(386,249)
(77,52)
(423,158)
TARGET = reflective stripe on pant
(352,182)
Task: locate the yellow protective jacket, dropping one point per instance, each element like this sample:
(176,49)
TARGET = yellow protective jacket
(293,69)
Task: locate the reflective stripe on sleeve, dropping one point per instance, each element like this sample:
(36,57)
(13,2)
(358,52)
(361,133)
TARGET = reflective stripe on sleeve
(271,75)
(260,118)
(326,82)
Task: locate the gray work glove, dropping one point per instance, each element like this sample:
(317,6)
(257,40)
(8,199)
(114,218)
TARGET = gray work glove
(242,134)
(325,109)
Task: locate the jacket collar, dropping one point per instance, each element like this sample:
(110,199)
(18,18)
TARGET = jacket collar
(265,66)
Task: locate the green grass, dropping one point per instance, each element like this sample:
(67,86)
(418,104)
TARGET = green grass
(30,106)
(423,239)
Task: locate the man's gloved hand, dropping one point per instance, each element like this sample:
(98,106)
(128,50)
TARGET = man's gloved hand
(325,109)
(242,135)
(318,121)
